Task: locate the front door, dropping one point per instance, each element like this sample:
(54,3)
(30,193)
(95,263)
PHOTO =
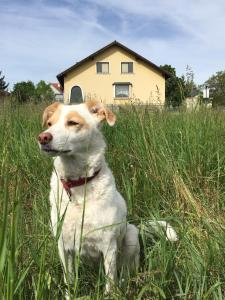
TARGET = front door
(76,95)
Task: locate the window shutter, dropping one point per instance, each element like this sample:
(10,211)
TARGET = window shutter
(99,67)
(105,68)
(130,67)
(124,68)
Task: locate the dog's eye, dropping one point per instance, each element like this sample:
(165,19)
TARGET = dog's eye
(94,110)
(49,124)
(72,123)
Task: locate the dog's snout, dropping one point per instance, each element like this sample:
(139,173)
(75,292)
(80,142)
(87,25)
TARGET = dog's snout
(44,138)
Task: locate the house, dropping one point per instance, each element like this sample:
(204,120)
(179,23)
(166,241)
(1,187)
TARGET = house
(114,74)
(57,90)
(192,103)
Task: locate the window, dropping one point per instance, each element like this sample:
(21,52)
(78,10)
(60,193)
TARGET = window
(126,67)
(122,90)
(102,67)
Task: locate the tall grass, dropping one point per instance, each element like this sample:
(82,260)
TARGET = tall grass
(168,166)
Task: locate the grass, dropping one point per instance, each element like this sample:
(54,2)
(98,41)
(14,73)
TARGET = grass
(168,166)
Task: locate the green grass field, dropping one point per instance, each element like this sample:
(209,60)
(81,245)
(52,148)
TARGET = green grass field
(168,166)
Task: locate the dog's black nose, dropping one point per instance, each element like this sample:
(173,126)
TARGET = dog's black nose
(44,138)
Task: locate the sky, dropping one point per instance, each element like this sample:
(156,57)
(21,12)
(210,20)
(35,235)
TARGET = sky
(41,38)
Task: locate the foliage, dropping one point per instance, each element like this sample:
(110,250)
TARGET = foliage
(3,84)
(179,88)
(168,166)
(44,92)
(175,87)
(216,84)
(189,86)
(26,91)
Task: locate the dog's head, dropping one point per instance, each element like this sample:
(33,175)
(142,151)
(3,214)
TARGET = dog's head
(72,127)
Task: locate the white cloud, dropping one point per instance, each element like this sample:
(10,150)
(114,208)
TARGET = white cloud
(39,39)
(202,44)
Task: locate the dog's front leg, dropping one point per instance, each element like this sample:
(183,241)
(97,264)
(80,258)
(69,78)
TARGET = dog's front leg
(67,258)
(110,264)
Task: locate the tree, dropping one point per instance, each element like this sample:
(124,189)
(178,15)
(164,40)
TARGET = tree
(216,85)
(24,91)
(44,92)
(3,84)
(175,87)
(190,88)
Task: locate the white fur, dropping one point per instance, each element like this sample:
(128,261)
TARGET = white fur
(157,226)
(104,229)
(93,221)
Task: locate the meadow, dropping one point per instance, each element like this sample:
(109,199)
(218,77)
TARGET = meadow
(168,166)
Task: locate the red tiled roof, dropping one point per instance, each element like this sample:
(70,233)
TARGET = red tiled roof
(57,86)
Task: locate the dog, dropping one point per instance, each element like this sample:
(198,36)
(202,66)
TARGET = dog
(88,214)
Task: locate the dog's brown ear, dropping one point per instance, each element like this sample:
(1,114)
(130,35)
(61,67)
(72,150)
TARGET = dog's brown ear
(49,111)
(101,112)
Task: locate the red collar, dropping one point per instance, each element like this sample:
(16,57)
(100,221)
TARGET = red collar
(80,181)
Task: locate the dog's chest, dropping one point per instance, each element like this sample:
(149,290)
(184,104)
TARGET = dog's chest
(89,230)
(79,227)
(92,225)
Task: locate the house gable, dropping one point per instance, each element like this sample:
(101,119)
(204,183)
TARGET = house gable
(105,50)
(145,82)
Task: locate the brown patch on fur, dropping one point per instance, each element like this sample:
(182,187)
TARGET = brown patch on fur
(54,117)
(93,105)
(102,112)
(49,112)
(76,117)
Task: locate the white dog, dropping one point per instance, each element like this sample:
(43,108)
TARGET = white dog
(85,203)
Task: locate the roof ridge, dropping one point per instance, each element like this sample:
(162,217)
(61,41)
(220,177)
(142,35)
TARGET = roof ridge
(60,76)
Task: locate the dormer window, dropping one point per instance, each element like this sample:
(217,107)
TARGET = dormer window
(126,67)
(102,67)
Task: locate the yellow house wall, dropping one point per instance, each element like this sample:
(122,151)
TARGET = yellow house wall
(148,85)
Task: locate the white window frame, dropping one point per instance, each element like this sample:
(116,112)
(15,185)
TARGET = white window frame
(127,62)
(129,90)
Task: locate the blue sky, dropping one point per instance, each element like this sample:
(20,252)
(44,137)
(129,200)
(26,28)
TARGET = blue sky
(41,38)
